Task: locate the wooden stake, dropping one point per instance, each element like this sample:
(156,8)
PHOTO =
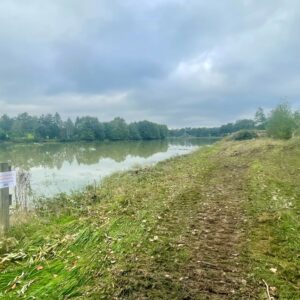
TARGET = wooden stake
(4,203)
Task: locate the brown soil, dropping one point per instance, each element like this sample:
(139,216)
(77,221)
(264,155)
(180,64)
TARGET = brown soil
(210,210)
(216,238)
(216,234)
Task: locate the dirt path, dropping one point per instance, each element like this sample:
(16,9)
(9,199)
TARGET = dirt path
(216,235)
(208,211)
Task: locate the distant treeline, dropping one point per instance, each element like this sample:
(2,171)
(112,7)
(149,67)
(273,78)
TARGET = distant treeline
(25,127)
(282,123)
(214,131)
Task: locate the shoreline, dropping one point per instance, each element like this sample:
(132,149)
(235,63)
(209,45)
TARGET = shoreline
(103,141)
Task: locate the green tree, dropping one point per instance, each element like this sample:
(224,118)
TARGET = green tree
(134,132)
(260,119)
(24,125)
(3,135)
(117,129)
(281,123)
(163,131)
(6,123)
(67,130)
(226,129)
(297,122)
(48,128)
(148,130)
(70,129)
(243,124)
(89,129)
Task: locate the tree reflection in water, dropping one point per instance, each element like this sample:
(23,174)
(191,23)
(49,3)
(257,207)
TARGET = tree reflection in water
(64,167)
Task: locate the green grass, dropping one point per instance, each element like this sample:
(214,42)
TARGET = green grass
(82,245)
(274,206)
(121,239)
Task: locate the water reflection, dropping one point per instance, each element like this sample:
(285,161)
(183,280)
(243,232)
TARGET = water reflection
(27,156)
(192,141)
(62,167)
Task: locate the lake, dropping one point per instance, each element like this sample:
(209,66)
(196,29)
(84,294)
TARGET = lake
(65,167)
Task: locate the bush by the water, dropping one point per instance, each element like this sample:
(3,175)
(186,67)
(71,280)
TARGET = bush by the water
(282,122)
(244,135)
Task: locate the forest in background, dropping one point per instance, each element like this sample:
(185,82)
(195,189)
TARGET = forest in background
(25,127)
(282,122)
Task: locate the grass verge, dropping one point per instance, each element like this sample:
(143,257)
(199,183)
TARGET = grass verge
(274,211)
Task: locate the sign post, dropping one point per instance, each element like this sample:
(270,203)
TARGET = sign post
(7,180)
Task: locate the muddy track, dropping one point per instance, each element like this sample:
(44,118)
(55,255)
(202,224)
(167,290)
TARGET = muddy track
(204,217)
(216,236)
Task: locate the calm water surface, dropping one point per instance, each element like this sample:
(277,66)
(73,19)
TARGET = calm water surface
(61,167)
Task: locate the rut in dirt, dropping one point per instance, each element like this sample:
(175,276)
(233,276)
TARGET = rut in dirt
(217,235)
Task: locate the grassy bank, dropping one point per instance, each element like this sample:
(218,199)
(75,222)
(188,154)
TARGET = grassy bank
(274,209)
(210,225)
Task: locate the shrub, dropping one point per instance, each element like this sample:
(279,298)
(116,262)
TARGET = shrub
(297,123)
(244,135)
(281,123)
(3,135)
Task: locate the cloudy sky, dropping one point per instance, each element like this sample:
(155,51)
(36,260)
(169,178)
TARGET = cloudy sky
(179,62)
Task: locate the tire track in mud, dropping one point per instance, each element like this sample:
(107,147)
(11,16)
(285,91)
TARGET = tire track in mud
(216,235)
(204,215)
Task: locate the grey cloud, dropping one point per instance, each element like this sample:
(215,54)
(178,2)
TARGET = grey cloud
(184,63)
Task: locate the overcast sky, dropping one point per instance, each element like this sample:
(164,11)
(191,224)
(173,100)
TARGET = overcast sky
(178,62)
